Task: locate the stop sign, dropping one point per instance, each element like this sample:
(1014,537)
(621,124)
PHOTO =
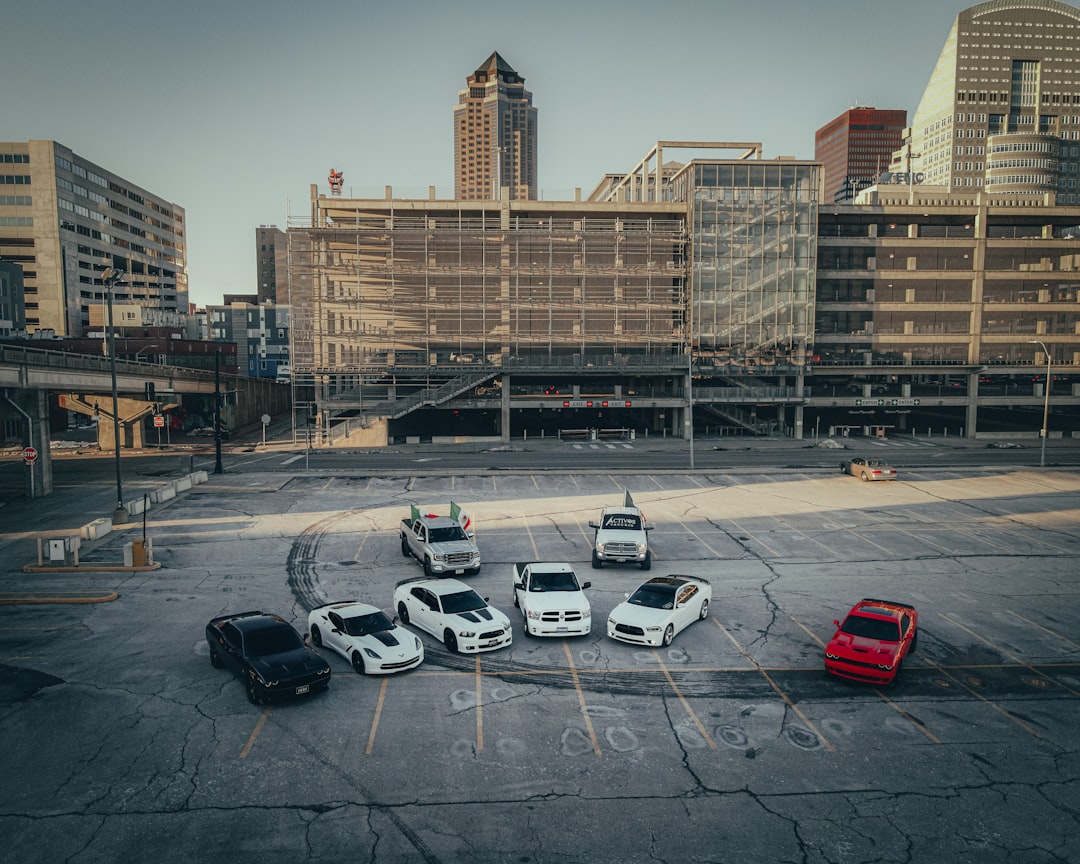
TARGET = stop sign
(29,454)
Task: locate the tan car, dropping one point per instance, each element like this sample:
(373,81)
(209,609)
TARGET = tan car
(868,469)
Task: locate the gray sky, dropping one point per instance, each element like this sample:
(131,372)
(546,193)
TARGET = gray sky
(232,108)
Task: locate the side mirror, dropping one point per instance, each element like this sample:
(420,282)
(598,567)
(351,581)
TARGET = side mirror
(593,524)
(586,585)
(837,623)
(649,527)
(520,585)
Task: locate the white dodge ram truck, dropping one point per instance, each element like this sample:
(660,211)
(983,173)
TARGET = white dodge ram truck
(551,600)
(621,536)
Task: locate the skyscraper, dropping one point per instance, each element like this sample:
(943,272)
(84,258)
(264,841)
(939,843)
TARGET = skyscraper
(1002,108)
(495,135)
(856,147)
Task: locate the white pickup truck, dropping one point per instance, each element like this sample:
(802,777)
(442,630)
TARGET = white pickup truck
(621,536)
(440,543)
(551,600)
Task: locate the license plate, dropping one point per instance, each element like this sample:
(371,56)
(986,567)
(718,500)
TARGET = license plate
(561,629)
(303,688)
(492,643)
(459,571)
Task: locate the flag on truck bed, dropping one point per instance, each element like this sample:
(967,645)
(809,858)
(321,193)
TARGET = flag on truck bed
(627,500)
(414,512)
(461,517)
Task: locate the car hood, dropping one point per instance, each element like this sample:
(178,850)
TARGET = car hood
(557,601)
(288,664)
(639,616)
(862,649)
(387,641)
(482,616)
(452,546)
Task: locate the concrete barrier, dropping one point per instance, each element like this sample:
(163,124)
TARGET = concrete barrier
(165,493)
(183,483)
(96,529)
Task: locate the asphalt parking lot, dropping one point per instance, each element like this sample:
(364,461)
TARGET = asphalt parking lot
(729,745)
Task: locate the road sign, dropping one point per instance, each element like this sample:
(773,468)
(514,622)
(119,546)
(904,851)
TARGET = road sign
(29,455)
(159,420)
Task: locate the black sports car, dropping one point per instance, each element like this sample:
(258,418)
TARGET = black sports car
(267,654)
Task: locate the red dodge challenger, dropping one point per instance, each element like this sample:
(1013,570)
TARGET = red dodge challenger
(872,642)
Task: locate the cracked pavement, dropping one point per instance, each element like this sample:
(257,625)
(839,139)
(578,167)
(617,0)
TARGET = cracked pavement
(730,745)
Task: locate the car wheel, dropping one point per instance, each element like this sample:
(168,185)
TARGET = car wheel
(669,634)
(704,613)
(427,567)
(450,641)
(596,562)
(647,563)
(215,658)
(517,603)
(865,476)
(405,553)
(896,677)
(316,636)
(843,468)
(254,691)
(403,613)
(914,642)
(357,663)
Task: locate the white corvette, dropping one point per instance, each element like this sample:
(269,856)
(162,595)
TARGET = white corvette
(451,611)
(365,636)
(660,608)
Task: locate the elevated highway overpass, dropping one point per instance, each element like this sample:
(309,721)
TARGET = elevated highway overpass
(30,377)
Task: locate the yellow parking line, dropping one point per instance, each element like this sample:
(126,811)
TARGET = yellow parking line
(581,699)
(1005,653)
(685,704)
(907,716)
(808,631)
(1045,629)
(532,540)
(697,537)
(255,733)
(993,705)
(776,688)
(375,719)
(756,539)
(479,707)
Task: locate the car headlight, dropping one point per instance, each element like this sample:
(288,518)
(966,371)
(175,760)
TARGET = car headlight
(653,629)
(600,546)
(829,656)
(533,614)
(467,634)
(641,547)
(440,557)
(418,645)
(885,666)
(372,654)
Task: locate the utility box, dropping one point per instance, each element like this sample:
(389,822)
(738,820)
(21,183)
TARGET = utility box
(63,550)
(138,553)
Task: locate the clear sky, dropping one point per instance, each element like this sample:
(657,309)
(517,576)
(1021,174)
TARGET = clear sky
(232,108)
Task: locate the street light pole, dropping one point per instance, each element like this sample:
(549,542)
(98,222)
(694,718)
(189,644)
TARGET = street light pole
(111,278)
(1046,401)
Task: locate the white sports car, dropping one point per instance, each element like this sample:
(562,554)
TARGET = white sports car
(451,611)
(660,608)
(365,636)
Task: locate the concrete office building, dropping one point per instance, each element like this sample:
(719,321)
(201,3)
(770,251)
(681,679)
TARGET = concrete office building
(66,219)
(856,148)
(495,135)
(271,262)
(1001,111)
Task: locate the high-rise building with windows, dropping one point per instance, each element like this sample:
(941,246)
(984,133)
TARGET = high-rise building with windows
(65,220)
(1002,108)
(856,147)
(495,135)
(271,262)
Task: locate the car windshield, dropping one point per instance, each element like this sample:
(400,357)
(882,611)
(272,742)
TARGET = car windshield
(462,601)
(361,625)
(654,596)
(447,535)
(272,640)
(622,522)
(553,582)
(872,628)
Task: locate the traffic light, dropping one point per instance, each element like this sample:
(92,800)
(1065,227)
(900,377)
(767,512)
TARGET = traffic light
(149,391)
